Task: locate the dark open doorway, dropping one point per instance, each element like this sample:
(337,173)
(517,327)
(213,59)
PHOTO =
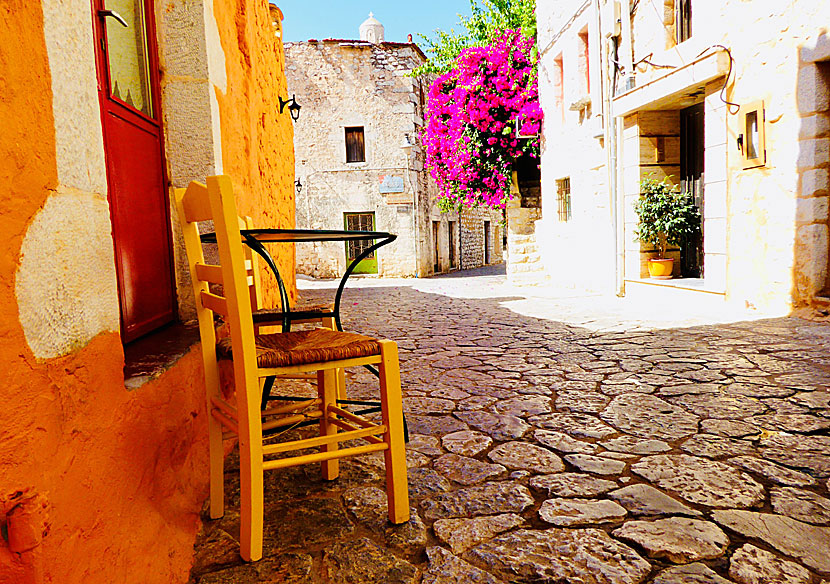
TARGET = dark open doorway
(691,181)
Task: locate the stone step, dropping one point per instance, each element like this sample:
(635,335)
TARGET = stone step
(672,292)
(529,279)
(517,267)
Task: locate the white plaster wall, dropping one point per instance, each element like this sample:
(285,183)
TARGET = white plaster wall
(64,297)
(569,149)
(66,281)
(79,139)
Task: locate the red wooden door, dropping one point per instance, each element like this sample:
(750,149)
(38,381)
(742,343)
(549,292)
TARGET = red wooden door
(128,91)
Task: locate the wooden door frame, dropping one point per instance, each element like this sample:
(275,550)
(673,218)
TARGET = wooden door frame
(102,75)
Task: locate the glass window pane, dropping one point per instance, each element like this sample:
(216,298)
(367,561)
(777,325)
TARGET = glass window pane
(129,71)
(752,135)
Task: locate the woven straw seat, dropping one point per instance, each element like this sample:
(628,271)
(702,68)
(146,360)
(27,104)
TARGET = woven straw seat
(303,347)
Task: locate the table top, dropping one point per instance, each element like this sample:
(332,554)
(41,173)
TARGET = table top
(300,235)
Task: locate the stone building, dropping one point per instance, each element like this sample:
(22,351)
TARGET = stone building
(359,164)
(730,100)
(575,199)
(104,468)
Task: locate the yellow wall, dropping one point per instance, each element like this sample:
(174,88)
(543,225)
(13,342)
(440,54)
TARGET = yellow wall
(257,141)
(98,483)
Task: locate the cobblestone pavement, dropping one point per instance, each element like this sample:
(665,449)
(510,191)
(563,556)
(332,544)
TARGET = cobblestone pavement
(553,451)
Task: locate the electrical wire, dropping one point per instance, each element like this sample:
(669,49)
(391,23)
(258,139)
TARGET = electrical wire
(729,104)
(655,65)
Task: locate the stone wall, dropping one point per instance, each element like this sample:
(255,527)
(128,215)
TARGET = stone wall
(812,241)
(359,84)
(344,84)
(765,228)
(257,140)
(478,226)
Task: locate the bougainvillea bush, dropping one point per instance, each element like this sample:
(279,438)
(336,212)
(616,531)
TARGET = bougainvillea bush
(470,136)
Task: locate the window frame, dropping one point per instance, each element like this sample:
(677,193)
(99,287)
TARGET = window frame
(683,20)
(563,199)
(745,113)
(356,247)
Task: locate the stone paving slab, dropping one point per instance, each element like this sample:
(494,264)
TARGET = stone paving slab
(563,440)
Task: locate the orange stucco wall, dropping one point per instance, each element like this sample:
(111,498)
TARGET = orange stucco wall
(32,171)
(257,141)
(97,483)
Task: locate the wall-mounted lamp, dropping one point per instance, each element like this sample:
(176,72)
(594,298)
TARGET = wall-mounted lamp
(406,145)
(298,186)
(293,109)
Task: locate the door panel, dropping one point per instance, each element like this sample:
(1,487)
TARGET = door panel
(139,224)
(128,93)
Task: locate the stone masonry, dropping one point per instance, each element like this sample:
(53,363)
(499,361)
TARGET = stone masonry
(366,86)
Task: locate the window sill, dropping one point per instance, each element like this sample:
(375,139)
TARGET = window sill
(150,356)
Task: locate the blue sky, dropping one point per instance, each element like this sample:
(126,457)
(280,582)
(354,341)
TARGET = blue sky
(321,19)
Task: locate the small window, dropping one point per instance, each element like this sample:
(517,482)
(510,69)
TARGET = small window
(563,199)
(751,136)
(355,146)
(559,85)
(683,19)
(585,61)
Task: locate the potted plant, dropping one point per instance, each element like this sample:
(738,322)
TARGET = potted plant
(666,217)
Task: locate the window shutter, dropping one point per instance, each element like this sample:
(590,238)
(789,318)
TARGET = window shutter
(355,147)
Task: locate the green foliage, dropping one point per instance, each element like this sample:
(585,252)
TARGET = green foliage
(486,22)
(666,215)
(448,205)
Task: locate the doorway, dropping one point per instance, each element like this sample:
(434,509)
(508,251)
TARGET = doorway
(451,244)
(361,222)
(486,242)
(436,259)
(691,181)
(128,92)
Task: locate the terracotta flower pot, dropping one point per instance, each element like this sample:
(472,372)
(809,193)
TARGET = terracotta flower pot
(660,269)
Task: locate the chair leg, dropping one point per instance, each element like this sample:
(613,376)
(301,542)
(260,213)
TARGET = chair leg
(328,322)
(397,489)
(341,383)
(216,454)
(251,505)
(327,391)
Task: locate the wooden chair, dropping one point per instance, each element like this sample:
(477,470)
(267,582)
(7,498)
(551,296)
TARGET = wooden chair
(254,357)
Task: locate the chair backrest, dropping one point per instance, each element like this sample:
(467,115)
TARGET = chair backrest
(252,267)
(215,202)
